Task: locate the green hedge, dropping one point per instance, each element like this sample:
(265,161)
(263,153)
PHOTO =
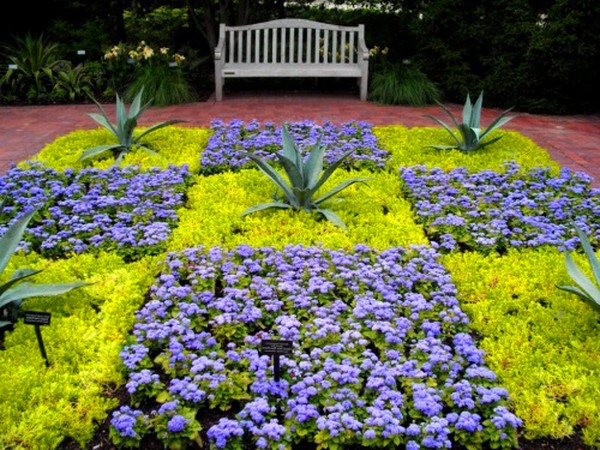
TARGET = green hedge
(541,342)
(174,145)
(43,406)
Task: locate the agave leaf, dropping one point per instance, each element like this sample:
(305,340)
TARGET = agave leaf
(447,111)
(447,128)
(340,187)
(589,253)
(18,276)
(292,171)
(95,151)
(156,127)
(476,115)
(4,323)
(482,145)
(470,139)
(303,196)
(442,147)
(314,164)
(102,120)
(274,176)
(121,118)
(332,217)
(103,113)
(10,240)
(467,112)
(290,151)
(264,206)
(582,295)
(26,290)
(500,120)
(330,169)
(134,109)
(592,291)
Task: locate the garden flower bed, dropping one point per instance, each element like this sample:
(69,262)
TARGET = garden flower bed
(402,334)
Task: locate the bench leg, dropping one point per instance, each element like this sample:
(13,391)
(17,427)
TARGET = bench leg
(364,82)
(218,88)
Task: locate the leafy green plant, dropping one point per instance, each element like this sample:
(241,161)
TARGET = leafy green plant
(585,289)
(305,179)
(14,291)
(471,137)
(123,129)
(35,61)
(73,82)
(402,84)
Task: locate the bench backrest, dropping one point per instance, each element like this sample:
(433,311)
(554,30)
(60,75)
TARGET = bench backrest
(292,41)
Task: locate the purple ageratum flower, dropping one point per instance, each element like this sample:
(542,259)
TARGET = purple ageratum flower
(122,209)
(125,419)
(226,147)
(391,315)
(489,211)
(177,423)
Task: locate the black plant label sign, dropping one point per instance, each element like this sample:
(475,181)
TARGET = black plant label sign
(36,318)
(276,347)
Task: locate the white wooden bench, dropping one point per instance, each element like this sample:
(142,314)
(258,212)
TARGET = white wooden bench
(291,48)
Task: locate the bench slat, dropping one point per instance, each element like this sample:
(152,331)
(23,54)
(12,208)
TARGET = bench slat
(351,48)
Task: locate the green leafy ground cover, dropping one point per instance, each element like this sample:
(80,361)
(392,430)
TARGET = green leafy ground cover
(541,342)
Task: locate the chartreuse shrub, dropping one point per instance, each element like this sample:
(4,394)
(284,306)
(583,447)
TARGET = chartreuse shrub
(408,147)
(42,407)
(542,343)
(374,214)
(173,145)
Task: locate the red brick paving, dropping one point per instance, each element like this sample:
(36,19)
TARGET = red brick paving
(573,141)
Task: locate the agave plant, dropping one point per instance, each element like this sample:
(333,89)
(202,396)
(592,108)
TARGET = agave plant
(471,137)
(14,291)
(305,177)
(123,129)
(585,289)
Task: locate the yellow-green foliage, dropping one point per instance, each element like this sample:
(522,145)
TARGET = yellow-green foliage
(543,343)
(40,407)
(374,213)
(174,145)
(408,148)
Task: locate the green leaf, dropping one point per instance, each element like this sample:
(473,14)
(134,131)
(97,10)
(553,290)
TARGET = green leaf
(314,164)
(482,145)
(340,187)
(581,280)
(95,151)
(442,147)
(500,121)
(102,120)
(148,150)
(447,111)
(10,240)
(290,151)
(327,173)
(274,176)
(447,128)
(4,323)
(18,276)
(292,171)
(156,127)
(37,290)
(264,206)
(332,217)
(476,114)
(134,109)
(467,112)
(589,253)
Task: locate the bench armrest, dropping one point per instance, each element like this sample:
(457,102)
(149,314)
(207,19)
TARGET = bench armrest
(363,50)
(220,48)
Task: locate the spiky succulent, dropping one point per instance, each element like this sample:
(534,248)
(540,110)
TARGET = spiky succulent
(586,289)
(470,136)
(305,179)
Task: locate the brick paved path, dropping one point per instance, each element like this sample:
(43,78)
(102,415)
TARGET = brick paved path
(573,141)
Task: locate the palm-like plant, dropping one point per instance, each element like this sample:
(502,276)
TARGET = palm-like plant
(35,60)
(73,82)
(471,137)
(123,129)
(14,291)
(585,289)
(305,177)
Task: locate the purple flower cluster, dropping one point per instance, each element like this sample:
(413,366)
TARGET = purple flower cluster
(489,211)
(226,147)
(381,349)
(125,210)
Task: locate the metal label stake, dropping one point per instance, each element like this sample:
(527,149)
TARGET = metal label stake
(276,348)
(38,319)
